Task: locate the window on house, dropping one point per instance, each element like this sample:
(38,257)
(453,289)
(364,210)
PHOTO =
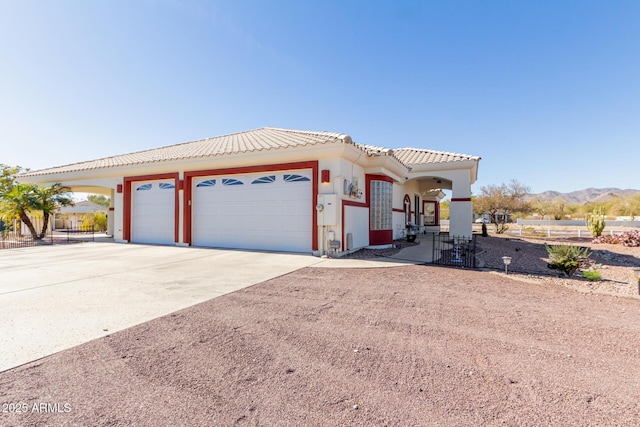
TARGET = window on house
(381,206)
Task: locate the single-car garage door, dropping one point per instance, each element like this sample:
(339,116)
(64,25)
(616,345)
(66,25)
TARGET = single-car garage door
(153,212)
(271,211)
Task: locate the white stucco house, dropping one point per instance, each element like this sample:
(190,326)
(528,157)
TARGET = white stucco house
(69,217)
(274,189)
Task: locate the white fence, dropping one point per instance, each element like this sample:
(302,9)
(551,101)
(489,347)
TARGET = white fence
(574,223)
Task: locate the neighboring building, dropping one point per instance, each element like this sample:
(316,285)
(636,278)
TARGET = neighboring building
(274,189)
(72,217)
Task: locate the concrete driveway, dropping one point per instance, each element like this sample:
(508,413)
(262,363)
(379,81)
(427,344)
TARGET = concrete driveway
(56,297)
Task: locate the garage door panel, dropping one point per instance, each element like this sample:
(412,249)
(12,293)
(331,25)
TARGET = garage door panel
(264,212)
(153,212)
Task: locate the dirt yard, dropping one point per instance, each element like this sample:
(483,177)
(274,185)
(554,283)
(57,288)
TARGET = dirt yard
(414,345)
(530,258)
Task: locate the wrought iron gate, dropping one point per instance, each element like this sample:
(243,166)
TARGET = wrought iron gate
(454,251)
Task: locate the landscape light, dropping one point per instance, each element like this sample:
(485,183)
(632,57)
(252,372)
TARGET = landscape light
(507,261)
(637,271)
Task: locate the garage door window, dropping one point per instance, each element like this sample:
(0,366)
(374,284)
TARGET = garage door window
(144,187)
(265,180)
(207,183)
(230,181)
(295,178)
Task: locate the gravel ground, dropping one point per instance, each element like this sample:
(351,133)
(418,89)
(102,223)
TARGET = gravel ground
(411,345)
(529,261)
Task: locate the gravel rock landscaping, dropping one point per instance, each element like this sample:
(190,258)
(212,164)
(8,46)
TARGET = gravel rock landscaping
(529,262)
(411,346)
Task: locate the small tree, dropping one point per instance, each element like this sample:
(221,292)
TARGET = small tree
(16,203)
(445,209)
(7,180)
(99,199)
(595,221)
(23,199)
(500,202)
(96,220)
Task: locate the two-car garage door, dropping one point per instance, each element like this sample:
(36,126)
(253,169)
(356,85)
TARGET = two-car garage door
(271,210)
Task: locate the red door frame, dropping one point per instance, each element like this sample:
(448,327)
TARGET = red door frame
(127,205)
(378,237)
(188,188)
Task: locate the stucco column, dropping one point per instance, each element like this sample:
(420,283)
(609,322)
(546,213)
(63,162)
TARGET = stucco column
(181,210)
(461,208)
(110,215)
(118,214)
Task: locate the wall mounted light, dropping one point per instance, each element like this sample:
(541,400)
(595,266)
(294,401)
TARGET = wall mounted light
(325,176)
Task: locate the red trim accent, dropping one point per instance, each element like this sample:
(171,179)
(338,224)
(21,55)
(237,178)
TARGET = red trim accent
(326,176)
(126,227)
(119,188)
(378,237)
(398,210)
(461,199)
(181,184)
(188,188)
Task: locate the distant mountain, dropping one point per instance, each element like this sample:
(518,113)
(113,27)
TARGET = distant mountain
(594,195)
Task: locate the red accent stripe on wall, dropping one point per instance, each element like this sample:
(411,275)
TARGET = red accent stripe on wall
(188,188)
(378,237)
(461,199)
(126,227)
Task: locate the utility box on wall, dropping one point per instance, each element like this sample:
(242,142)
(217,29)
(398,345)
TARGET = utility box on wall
(327,209)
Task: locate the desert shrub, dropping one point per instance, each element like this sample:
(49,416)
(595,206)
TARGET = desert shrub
(592,275)
(97,221)
(628,238)
(567,258)
(595,221)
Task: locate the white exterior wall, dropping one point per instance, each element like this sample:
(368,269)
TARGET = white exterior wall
(357,218)
(398,225)
(357,223)
(118,215)
(460,211)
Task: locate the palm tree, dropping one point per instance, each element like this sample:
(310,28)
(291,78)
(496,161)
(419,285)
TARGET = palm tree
(16,202)
(48,200)
(25,198)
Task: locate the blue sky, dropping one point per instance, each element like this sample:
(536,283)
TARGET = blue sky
(546,92)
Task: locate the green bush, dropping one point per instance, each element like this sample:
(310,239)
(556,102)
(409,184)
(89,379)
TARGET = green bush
(567,258)
(592,275)
(595,221)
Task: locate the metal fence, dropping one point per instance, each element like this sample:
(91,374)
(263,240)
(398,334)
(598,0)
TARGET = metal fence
(454,251)
(15,239)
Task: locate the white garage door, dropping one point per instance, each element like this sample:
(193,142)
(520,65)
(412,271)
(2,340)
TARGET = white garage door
(153,212)
(270,211)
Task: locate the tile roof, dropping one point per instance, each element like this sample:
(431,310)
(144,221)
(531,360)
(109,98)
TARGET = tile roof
(266,138)
(253,140)
(415,156)
(82,207)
